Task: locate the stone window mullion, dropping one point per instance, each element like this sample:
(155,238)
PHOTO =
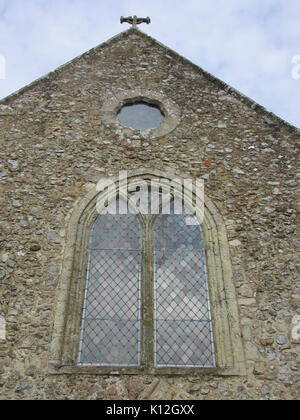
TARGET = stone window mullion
(147,298)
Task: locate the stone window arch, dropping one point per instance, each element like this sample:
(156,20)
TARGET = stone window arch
(225,354)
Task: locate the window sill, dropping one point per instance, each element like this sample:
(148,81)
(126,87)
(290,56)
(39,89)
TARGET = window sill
(135,370)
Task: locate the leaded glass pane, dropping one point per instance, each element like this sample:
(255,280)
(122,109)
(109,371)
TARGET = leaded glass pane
(182,320)
(111,315)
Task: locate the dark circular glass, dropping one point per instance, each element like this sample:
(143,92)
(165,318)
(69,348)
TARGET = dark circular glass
(140,116)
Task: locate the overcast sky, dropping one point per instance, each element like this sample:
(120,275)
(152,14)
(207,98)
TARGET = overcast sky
(249,44)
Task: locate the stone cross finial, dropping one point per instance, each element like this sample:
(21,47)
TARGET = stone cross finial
(134,21)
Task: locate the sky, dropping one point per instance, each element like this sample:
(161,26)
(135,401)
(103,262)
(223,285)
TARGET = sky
(253,45)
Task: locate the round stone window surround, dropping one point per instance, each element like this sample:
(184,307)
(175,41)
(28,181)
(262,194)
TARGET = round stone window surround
(170,110)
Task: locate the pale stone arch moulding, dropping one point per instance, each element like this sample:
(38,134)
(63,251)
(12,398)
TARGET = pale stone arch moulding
(115,102)
(226,328)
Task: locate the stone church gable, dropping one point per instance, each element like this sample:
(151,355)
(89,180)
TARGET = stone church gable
(126,48)
(60,135)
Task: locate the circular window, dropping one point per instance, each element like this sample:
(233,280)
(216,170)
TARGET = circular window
(145,111)
(140,116)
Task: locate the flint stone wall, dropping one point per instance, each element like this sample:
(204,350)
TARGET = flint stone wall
(56,143)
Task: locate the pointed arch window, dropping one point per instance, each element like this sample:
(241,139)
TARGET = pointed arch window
(143,292)
(146,305)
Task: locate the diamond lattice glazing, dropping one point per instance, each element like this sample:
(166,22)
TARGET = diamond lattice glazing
(183,330)
(111,315)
